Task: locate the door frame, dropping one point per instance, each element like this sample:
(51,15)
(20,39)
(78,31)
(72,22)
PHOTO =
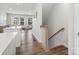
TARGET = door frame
(73,29)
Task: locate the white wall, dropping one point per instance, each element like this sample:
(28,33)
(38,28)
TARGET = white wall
(60,14)
(46,8)
(37,22)
(2,18)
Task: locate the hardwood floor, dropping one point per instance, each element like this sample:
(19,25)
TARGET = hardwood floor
(31,47)
(59,50)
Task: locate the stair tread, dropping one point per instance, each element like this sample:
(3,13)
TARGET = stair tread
(59,50)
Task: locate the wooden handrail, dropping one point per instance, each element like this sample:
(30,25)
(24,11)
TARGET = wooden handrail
(56,33)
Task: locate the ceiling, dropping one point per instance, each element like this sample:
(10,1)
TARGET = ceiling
(18,7)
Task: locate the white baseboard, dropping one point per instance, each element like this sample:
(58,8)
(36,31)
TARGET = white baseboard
(36,37)
(65,45)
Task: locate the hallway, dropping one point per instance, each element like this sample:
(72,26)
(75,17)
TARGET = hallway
(31,47)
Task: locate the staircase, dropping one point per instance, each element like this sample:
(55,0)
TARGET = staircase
(58,50)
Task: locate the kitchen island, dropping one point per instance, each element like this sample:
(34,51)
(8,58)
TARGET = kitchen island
(8,43)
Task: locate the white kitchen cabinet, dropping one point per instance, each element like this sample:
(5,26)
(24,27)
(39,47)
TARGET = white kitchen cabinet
(8,43)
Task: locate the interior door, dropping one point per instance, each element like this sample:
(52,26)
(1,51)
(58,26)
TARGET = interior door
(76,29)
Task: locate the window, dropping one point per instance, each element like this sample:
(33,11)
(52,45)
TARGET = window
(14,20)
(21,20)
(29,21)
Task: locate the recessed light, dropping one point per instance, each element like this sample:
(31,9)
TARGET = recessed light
(18,3)
(10,9)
